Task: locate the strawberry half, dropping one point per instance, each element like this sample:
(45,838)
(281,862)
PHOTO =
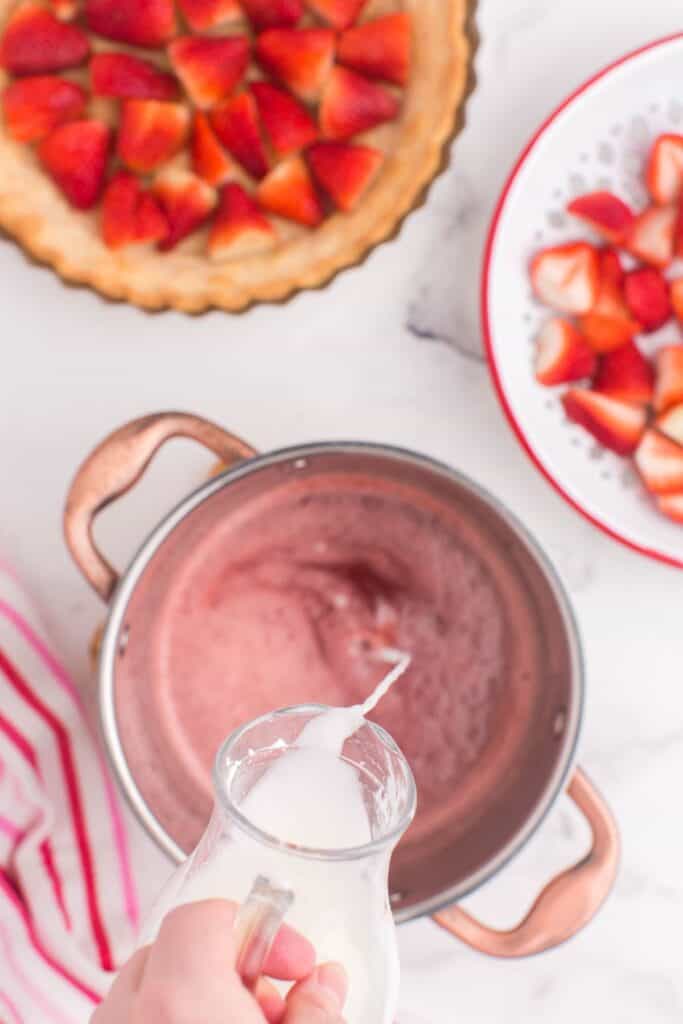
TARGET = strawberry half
(33,107)
(299,58)
(379,49)
(236,124)
(344,171)
(239,228)
(567,277)
(129,78)
(130,214)
(209,68)
(138,22)
(75,156)
(608,215)
(339,14)
(352,104)
(35,41)
(626,375)
(652,235)
(669,375)
(562,354)
(151,133)
(289,192)
(677,297)
(646,292)
(609,324)
(209,159)
(201,15)
(187,203)
(610,267)
(671,424)
(615,425)
(265,14)
(288,124)
(660,463)
(672,506)
(665,169)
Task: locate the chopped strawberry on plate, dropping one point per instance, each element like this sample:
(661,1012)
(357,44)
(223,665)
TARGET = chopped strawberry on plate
(33,107)
(75,155)
(616,425)
(289,192)
(202,15)
(652,235)
(208,67)
(236,123)
(130,78)
(288,124)
(149,23)
(239,228)
(562,354)
(352,104)
(265,14)
(677,297)
(670,423)
(665,169)
(646,292)
(669,377)
(35,41)
(151,133)
(186,201)
(130,214)
(344,171)
(567,277)
(608,215)
(626,374)
(672,506)
(610,267)
(299,58)
(210,161)
(609,323)
(379,49)
(660,463)
(337,13)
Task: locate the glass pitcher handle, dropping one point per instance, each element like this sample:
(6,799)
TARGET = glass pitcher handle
(258,922)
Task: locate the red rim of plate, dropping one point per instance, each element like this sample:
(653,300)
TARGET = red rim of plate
(526,444)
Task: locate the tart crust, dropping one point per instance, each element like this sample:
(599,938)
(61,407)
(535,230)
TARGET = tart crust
(41,220)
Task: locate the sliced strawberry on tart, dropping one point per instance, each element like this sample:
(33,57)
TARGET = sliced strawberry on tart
(122,76)
(203,15)
(35,106)
(294,134)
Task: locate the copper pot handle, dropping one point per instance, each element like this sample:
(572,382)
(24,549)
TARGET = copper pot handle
(115,466)
(566,904)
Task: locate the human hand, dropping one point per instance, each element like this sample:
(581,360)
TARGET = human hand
(188,976)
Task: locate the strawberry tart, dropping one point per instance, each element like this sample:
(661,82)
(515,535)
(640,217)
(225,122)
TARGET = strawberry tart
(206,153)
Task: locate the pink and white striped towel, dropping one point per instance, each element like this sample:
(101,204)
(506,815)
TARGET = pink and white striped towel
(68,907)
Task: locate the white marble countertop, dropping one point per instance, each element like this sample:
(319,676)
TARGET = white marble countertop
(392,352)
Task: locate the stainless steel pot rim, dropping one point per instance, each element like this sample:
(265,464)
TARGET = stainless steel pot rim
(146,551)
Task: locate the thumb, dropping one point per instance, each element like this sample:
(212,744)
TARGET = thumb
(320,998)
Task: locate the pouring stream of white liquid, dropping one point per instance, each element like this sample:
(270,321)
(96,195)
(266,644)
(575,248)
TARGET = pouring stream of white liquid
(312,797)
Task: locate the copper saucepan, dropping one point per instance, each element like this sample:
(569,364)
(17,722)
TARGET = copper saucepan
(456,846)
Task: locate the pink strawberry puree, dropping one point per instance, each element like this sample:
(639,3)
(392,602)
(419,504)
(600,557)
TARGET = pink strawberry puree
(281,602)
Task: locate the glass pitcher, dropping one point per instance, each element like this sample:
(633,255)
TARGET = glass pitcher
(338,898)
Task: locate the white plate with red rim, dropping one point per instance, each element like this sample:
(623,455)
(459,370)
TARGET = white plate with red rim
(599,138)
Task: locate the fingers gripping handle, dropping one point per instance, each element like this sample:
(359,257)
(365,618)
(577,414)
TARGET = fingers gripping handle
(115,466)
(566,904)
